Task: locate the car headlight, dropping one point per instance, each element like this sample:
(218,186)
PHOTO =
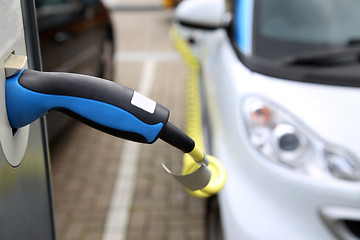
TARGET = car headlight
(285,140)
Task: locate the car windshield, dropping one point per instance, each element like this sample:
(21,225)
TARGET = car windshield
(285,28)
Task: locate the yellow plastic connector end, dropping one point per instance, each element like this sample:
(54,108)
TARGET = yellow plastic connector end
(168,3)
(217,180)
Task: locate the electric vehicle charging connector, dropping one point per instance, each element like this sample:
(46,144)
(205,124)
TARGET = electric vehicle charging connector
(104,105)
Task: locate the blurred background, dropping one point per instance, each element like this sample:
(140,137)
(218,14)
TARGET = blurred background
(105,187)
(278,82)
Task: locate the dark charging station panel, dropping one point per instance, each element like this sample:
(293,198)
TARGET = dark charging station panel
(26,210)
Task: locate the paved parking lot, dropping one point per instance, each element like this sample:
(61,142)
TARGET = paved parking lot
(108,188)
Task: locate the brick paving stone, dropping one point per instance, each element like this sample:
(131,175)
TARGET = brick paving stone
(92,235)
(61,220)
(157,228)
(75,231)
(75,185)
(139,219)
(177,235)
(195,234)
(136,236)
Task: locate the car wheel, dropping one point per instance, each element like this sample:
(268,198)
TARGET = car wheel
(213,221)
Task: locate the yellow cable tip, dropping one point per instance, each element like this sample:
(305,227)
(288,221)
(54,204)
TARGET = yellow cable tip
(217,180)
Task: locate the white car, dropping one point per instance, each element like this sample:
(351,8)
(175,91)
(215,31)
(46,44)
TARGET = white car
(280,89)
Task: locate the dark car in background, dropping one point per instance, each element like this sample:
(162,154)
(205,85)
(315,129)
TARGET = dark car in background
(75,36)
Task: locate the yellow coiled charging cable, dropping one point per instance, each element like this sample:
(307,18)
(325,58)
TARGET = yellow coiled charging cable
(194,124)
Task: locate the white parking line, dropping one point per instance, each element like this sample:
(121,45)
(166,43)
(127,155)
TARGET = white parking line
(147,77)
(119,210)
(144,56)
(111,3)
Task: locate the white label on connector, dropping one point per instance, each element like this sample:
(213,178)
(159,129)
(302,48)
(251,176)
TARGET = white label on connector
(143,102)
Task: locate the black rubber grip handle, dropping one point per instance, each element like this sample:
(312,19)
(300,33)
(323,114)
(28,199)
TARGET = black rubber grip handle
(177,138)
